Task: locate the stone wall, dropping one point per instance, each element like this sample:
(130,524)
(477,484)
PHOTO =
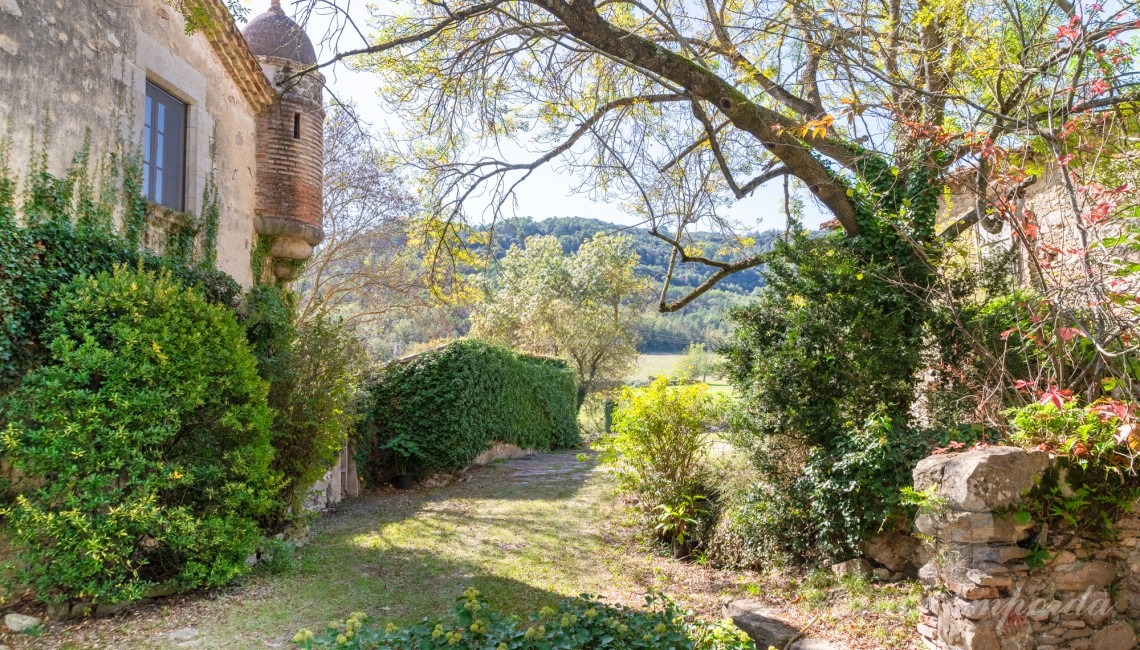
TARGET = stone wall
(1059,231)
(72,67)
(985,595)
(339,483)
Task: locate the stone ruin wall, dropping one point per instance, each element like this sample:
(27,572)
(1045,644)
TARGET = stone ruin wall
(1061,234)
(983,593)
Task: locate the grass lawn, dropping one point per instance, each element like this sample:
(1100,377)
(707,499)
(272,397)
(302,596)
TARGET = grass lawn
(525,532)
(655,365)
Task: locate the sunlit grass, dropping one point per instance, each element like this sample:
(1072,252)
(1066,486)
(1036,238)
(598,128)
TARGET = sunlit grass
(523,544)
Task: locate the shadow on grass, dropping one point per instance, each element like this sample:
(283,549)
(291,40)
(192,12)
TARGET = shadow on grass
(519,531)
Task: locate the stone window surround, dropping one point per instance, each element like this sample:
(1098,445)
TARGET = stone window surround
(158,64)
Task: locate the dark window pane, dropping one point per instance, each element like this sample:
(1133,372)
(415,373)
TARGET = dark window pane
(164,148)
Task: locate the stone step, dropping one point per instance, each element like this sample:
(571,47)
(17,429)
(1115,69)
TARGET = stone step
(764,625)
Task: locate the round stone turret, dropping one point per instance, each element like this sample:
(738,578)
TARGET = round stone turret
(290,141)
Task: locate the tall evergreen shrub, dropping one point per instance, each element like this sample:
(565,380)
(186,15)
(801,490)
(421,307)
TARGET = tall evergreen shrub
(314,370)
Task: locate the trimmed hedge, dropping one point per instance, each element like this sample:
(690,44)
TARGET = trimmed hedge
(453,402)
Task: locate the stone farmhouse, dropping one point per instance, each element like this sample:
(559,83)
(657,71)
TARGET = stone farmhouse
(209,110)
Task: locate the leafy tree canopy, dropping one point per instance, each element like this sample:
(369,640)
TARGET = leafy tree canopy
(675,110)
(583,307)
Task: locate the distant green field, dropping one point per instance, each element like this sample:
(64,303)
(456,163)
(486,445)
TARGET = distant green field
(656,365)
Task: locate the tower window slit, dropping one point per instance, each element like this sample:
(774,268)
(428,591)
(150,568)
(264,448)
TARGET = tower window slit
(296,126)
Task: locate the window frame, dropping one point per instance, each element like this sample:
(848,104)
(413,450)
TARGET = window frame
(156,188)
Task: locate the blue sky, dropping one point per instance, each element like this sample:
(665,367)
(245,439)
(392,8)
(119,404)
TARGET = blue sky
(548,192)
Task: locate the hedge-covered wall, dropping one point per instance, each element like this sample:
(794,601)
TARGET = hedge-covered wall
(453,402)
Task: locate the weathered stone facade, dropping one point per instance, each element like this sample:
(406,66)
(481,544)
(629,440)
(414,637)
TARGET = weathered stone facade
(69,69)
(73,71)
(986,596)
(77,69)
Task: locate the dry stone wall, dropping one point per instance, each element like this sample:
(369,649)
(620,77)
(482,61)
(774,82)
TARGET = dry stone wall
(984,593)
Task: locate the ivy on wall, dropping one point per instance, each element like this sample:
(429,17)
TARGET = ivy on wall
(58,228)
(441,409)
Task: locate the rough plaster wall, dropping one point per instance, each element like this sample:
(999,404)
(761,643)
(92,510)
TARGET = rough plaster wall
(85,63)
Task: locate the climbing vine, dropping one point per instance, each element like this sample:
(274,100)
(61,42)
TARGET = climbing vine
(134,201)
(259,257)
(211,216)
(57,228)
(828,357)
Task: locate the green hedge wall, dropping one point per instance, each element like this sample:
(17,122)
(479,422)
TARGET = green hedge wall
(454,401)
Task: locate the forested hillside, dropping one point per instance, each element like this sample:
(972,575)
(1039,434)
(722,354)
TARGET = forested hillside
(701,321)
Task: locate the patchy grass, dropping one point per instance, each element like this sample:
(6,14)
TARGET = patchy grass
(525,532)
(859,613)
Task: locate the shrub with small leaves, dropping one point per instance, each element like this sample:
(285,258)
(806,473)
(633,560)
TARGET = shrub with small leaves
(38,260)
(314,370)
(661,436)
(147,433)
(576,624)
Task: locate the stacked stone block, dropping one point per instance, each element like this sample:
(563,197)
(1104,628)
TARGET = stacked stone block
(985,595)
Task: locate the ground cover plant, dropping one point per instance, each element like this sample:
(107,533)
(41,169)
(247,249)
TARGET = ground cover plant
(164,469)
(579,623)
(441,409)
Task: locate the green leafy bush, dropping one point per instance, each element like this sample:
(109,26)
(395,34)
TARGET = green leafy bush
(454,401)
(313,370)
(1098,434)
(661,434)
(59,242)
(825,362)
(1094,479)
(830,341)
(147,433)
(577,624)
(842,495)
